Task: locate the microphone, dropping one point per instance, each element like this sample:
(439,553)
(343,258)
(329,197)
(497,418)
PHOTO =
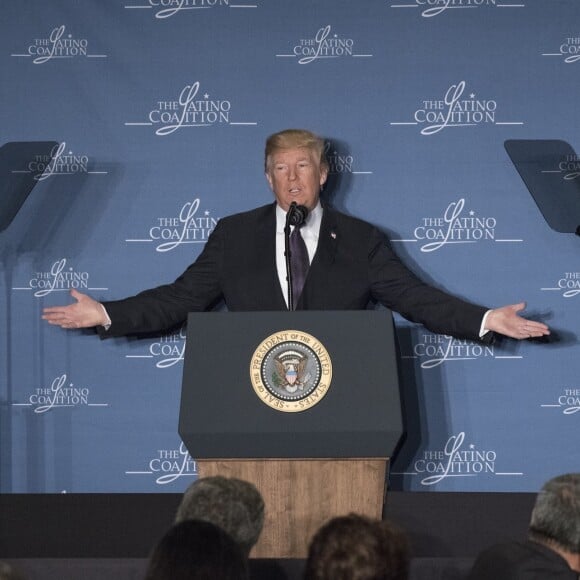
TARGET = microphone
(296,215)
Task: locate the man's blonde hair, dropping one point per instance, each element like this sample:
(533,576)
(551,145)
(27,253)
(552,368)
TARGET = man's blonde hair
(294,139)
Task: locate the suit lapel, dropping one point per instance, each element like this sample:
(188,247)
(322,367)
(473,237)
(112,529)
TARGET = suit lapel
(266,247)
(327,240)
(316,281)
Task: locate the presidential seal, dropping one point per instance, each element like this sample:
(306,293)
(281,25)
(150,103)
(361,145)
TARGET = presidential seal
(291,371)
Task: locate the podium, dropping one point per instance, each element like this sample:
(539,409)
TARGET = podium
(303,404)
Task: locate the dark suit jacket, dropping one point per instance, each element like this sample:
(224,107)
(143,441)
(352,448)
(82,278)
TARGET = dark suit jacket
(353,264)
(521,561)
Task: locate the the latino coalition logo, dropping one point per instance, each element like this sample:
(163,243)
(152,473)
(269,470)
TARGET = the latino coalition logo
(568,285)
(569,50)
(325,44)
(60,163)
(167,350)
(568,167)
(456,460)
(61,393)
(58,45)
(430,8)
(568,401)
(168,465)
(435,349)
(58,279)
(455,226)
(190,108)
(190,226)
(167,8)
(340,163)
(453,110)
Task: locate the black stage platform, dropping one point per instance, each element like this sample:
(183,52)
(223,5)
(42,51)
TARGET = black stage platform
(110,535)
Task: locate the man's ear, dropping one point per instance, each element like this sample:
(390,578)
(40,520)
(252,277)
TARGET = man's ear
(269,180)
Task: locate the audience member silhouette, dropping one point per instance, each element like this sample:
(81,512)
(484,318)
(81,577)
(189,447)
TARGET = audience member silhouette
(196,550)
(8,572)
(553,546)
(355,547)
(234,505)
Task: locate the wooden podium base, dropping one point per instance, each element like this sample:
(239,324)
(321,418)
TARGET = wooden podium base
(302,494)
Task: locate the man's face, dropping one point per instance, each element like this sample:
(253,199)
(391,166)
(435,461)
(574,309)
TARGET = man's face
(296,175)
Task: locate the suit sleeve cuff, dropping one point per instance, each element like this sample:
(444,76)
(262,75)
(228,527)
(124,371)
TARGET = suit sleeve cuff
(482,329)
(108,322)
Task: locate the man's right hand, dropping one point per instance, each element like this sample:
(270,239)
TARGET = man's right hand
(83,313)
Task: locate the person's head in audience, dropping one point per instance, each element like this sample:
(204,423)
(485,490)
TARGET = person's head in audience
(355,547)
(8,572)
(234,505)
(555,520)
(196,550)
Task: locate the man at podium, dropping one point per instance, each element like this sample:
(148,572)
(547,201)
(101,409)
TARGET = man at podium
(338,263)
